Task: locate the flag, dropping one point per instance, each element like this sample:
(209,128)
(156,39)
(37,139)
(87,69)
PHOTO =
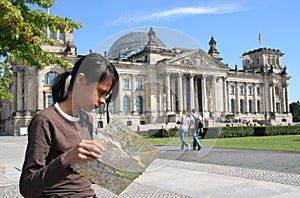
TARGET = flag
(259,39)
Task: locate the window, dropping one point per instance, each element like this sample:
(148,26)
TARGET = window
(250,90)
(52,35)
(258,90)
(232,89)
(126,104)
(49,101)
(61,36)
(277,91)
(49,77)
(242,106)
(139,104)
(112,107)
(250,106)
(241,90)
(277,107)
(232,105)
(258,106)
(139,85)
(125,83)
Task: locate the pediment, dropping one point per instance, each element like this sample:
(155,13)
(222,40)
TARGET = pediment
(196,59)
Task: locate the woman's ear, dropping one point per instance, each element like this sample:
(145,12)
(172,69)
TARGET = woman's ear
(80,80)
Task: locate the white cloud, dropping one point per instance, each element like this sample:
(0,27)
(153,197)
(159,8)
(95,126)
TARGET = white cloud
(220,9)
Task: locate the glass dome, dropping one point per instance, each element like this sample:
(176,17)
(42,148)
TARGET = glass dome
(129,43)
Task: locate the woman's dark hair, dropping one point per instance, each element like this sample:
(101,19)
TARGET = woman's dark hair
(96,68)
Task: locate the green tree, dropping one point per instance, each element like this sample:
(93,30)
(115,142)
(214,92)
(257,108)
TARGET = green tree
(295,110)
(22,36)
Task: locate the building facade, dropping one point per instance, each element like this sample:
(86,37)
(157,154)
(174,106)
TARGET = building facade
(157,83)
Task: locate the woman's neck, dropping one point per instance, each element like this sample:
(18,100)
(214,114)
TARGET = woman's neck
(67,107)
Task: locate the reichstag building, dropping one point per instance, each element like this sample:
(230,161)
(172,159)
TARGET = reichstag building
(157,83)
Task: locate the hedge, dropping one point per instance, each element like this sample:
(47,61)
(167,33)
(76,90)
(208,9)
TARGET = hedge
(228,132)
(242,131)
(159,132)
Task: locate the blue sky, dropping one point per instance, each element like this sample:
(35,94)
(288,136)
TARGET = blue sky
(235,25)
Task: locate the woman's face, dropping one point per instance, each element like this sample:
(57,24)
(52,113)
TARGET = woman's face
(91,96)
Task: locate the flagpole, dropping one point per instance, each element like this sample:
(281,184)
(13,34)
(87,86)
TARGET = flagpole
(259,39)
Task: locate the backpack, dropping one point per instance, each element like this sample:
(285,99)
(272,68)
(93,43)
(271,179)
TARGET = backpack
(198,124)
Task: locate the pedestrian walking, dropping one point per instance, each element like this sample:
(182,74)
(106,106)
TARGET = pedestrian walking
(196,128)
(184,126)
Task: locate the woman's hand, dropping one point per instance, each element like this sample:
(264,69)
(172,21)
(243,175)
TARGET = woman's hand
(84,150)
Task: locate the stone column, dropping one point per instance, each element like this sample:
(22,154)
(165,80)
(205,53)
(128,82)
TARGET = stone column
(229,97)
(273,98)
(237,98)
(204,96)
(168,91)
(254,98)
(283,100)
(192,91)
(287,98)
(184,92)
(246,98)
(225,96)
(180,95)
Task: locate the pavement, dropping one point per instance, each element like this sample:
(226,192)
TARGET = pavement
(210,173)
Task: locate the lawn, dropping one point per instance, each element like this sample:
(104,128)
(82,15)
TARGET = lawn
(280,143)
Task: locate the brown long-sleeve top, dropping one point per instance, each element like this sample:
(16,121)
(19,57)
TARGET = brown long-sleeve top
(50,134)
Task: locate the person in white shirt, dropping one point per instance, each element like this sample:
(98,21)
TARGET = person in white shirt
(184,129)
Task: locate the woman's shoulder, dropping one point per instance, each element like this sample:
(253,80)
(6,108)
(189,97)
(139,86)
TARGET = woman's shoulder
(45,114)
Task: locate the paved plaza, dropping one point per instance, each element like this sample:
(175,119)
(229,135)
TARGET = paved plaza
(209,173)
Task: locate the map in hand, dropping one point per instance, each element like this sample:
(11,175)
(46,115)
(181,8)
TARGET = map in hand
(126,156)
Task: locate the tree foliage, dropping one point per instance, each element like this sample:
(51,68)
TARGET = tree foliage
(295,110)
(22,36)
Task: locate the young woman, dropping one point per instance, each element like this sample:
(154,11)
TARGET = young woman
(60,135)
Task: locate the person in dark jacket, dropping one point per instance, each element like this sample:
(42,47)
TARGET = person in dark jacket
(61,135)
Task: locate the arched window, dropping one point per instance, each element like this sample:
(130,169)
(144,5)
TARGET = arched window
(231,89)
(139,85)
(112,107)
(139,104)
(49,77)
(241,89)
(258,92)
(126,104)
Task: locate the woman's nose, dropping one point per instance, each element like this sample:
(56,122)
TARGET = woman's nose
(101,100)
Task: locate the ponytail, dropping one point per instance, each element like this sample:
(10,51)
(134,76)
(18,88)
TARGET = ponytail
(63,83)
(59,91)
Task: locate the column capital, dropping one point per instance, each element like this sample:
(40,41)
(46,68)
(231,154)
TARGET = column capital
(168,74)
